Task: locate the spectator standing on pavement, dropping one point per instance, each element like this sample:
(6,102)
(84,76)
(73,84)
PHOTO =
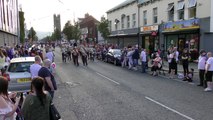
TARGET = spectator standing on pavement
(45,73)
(185,62)
(7,58)
(34,68)
(143,60)
(7,107)
(209,71)
(173,64)
(36,105)
(2,59)
(201,67)
(124,57)
(129,56)
(157,64)
(169,59)
(135,57)
(176,58)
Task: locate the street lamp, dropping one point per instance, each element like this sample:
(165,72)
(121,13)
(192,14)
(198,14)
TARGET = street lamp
(138,1)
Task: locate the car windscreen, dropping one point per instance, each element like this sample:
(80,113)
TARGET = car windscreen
(117,52)
(20,67)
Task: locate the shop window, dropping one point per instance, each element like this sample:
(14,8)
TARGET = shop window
(171,41)
(170,10)
(180,9)
(144,17)
(155,15)
(128,21)
(133,20)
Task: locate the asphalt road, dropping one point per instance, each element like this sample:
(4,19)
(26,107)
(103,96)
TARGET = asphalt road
(102,91)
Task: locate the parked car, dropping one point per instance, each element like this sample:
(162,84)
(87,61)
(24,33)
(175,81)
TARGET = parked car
(114,56)
(18,73)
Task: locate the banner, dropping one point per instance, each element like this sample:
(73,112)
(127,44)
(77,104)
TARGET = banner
(181,25)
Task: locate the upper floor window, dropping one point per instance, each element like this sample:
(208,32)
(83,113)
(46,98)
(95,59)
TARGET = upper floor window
(192,8)
(133,20)
(180,10)
(128,21)
(116,24)
(170,10)
(110,25)
(155,15)
(122,21)
(145,17)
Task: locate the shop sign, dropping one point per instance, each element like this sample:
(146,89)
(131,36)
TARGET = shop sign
(154,33)
(149,28)
(181,25)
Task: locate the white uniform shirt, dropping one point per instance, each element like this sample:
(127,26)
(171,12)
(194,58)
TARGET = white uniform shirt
(201,62)
(143,56)
(210,62)
(34,68)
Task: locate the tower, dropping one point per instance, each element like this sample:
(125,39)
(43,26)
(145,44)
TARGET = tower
(57,22)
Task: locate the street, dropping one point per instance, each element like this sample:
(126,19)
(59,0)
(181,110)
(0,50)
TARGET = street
(102,91)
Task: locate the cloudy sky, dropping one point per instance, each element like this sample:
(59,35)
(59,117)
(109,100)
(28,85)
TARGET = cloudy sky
(39,13)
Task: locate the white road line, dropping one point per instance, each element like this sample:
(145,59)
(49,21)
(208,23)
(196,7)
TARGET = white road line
(108,78)
(175,111)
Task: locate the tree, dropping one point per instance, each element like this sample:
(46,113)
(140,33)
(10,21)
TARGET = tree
(22,30)
(103,27)
(32,34)
(68,29)
(72,31)
(56,35)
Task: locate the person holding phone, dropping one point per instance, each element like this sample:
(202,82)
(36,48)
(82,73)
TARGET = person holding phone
(36,105)
(7,106)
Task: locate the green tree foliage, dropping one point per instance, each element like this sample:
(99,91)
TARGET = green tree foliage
(103,27)
(72,31)
(32,34)
(22,30)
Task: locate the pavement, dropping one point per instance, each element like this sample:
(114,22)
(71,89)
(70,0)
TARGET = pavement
(103,91)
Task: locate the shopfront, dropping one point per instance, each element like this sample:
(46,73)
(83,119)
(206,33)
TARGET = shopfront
(150,38)
(183,35)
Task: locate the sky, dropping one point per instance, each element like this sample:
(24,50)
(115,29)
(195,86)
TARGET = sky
(39,13)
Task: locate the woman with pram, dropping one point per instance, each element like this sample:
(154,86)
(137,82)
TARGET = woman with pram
(156,64)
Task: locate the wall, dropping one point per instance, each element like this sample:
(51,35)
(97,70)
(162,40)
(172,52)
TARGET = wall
(128,10)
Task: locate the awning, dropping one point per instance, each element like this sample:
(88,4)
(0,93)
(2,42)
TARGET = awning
(122,35)
(192,3)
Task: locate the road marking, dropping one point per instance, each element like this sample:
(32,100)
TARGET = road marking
(168,108)
(108,78)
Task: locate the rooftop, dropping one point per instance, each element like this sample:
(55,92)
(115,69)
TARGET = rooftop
(123,4)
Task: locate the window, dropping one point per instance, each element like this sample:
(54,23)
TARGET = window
(192,8)
(122,21)
(110,26)
(145,17)
(155,15)
(116,24)
(192,12)
(128,21)
(192,3)
(133,20)
(180,9)
(170,10)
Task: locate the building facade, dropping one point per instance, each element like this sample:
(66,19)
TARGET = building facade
(57,22)
(173,23)
(8,22)
(88,27)
(123,23)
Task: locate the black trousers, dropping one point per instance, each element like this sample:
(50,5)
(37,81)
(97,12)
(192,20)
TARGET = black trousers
(84,60)
(186,68)
(202,78)
(75,60)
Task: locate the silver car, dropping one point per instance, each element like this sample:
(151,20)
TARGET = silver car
(18,73)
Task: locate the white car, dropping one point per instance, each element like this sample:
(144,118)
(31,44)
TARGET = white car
(18,73)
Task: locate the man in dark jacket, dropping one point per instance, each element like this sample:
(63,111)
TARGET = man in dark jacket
(135,57)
